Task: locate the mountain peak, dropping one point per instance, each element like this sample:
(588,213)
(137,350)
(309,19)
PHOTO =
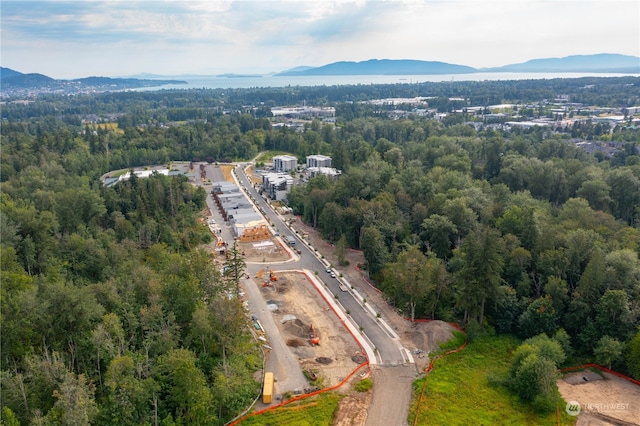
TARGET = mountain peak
(383,67)
(601,62)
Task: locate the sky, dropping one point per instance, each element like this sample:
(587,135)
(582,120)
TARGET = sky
(72,39)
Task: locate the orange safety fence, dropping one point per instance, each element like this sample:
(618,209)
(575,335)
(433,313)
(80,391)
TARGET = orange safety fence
(335,312)
(297,398)
(429,367)
(562,370)
(366,280)
(300,397)
(599,367)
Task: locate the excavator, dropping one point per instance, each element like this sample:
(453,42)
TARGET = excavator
(315,340)
(273,276)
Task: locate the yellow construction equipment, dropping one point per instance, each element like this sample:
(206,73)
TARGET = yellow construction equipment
(267,388)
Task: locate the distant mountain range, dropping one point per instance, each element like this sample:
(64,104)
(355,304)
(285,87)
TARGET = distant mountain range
(604,63)
(14,81)
(383,67)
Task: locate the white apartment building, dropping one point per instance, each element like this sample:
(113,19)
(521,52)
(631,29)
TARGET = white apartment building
(284,163)
(318,161)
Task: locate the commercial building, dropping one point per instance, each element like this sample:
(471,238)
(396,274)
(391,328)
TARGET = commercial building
(318,161)
(276,185)
(330,172)
(304,112)
(284,163)
(236,209)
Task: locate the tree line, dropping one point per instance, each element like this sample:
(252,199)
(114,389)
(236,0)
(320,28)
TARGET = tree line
(111,311)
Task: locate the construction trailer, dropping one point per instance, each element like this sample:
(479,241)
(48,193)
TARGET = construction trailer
(267,388)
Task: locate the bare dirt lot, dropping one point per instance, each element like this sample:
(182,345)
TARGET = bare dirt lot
(299,307)
(264,251)
(604,399)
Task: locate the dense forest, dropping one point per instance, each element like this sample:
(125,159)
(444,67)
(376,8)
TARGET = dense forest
(112,313)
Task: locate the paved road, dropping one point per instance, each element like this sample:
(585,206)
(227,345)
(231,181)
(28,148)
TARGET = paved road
(386,344)
(280,360)
(393,376)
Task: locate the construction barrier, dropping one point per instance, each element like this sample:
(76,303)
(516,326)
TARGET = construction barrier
(301,397)
(298,398)
(431,362)
(599,367)
(366,280)
(362,351)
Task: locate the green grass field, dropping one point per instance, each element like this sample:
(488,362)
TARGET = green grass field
(460,390)
(313,411)
(266,156)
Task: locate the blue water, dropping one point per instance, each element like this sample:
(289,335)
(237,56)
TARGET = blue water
(213,82)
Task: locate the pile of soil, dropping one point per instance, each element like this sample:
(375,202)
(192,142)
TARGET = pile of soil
(427,335)
(297,328)
(352,409)
(358,358)
(324,360)
(294,343)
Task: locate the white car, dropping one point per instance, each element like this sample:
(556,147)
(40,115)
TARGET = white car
(333,275)
(328,270)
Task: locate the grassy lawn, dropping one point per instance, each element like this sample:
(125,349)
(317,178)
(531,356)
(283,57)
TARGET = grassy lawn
(313,411)
(266,157)
(460,389)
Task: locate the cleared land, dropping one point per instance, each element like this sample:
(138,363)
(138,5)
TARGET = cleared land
(298,307)
(464,388)
(605,399)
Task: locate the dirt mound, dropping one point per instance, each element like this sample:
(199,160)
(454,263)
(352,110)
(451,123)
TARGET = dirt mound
(358,359)
(297,328)
(352,409)
(324,360)
(294,343)
(427,336)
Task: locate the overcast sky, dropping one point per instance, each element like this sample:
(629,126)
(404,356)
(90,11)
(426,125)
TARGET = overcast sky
(113,38)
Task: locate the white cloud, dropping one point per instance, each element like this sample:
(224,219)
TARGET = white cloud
(115,37)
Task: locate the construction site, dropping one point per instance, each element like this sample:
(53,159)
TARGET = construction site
(325,350)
